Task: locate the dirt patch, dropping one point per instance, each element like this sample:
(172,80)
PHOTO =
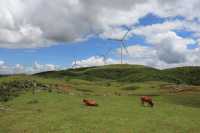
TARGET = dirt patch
(4,108)
(180,88)
(63,87)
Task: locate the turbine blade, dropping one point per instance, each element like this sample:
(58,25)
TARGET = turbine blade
(113,39)
(125,35)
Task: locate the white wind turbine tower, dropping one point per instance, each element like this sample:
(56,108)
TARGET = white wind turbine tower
(123,46)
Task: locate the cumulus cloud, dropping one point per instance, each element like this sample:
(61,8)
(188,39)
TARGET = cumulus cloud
(149,56)
(166,49)
(43,67)
(2,62)
(42,23)
(36,23)
(169,8)
(113,33)
(21,69)
(170,47)
(94,61)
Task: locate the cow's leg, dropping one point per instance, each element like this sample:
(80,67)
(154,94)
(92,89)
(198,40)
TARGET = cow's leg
(150,103)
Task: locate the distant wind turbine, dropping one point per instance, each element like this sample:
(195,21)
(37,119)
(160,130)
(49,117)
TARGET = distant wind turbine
(105,56)
(122,42)
(75,64)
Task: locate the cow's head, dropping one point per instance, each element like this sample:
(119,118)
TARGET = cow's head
(151,103)
(84,100)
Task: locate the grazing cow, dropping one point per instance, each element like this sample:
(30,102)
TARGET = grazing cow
(146,99)
(90,102)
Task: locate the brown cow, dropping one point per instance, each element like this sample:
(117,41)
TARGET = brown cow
(147,99)
(90,102)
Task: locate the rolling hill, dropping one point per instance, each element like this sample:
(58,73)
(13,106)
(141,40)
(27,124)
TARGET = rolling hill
(52,101)
(129,73)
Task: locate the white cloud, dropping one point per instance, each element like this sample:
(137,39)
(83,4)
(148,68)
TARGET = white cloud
(19,68)
(113,33)
(170,47)
(41,23)
(149,56)
(43,67)
(169,8)
(2,62)
(94,61)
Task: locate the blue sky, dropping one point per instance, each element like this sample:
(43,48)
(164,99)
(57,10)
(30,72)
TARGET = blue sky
(162,34)
(63,54)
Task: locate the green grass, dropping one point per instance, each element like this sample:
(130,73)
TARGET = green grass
(117,89)
(62,113)
(128,73)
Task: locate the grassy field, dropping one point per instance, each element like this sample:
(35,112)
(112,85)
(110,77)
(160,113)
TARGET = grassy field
(60,113)
(60,108)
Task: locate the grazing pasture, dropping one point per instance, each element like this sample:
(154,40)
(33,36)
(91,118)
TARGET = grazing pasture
(61,113)
(37,104)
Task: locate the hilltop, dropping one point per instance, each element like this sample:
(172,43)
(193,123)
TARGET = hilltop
(128,73)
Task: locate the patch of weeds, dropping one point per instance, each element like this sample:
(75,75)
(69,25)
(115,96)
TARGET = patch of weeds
(84,90)
(130,87)
(33,101)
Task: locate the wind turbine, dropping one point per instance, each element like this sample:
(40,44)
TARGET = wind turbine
(123,46)
(105,56)
(75,64)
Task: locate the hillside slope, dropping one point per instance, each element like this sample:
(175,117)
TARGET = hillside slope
(187,75)
(129,73)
